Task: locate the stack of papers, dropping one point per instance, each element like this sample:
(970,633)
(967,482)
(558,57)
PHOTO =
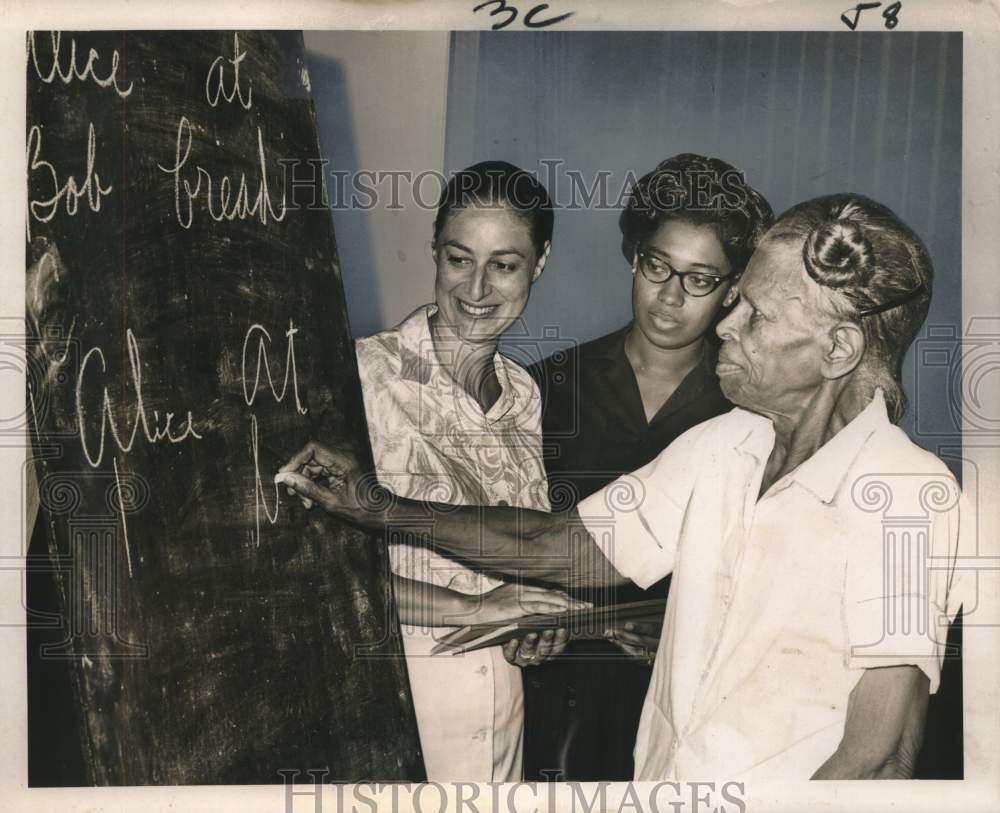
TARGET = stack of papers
(590,622)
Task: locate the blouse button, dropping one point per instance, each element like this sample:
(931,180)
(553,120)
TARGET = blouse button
(502,503)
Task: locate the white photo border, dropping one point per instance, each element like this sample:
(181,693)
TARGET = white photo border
(979,20)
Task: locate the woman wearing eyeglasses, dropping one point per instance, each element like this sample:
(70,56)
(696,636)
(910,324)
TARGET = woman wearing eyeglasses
(612,405)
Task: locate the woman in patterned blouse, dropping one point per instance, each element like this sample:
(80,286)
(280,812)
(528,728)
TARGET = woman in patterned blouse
(454,421)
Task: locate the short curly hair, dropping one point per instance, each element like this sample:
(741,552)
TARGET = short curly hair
(701,191)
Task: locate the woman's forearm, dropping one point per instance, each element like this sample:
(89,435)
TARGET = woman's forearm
(552,547)
(884,729)
(508,541)
(427,605)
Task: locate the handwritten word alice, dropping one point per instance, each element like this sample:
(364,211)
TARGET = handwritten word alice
(109,421)
(67,70)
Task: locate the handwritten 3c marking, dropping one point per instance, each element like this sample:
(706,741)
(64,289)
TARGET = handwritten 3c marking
(503,7)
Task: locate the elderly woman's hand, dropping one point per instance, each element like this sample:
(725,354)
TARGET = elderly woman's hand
(512,601)
(328,477)
(535,649)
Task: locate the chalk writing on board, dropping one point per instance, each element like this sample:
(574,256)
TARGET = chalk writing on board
(263,341)
(66,69)
(159,431)
(262,371)
(179,567)
(215,79)
(260,501)
(70,191)
(121,513)
(238,209)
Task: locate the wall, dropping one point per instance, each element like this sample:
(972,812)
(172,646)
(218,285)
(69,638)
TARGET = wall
(802,114)
(380,102)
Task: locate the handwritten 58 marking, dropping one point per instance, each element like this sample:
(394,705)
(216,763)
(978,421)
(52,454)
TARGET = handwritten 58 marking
(890,15)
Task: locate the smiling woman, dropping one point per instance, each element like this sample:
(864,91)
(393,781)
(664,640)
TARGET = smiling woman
(454,421)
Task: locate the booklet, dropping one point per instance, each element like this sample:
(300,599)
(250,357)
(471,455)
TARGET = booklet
(589,622)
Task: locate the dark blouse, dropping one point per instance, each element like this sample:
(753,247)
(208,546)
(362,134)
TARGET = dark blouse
(593,423)
(582,710)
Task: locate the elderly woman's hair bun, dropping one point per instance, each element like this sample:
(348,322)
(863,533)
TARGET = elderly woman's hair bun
(837,254)
(873,270)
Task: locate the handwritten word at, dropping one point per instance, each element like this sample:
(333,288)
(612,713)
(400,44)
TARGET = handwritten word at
(263,340)
(890,15)
(249,396)
(44,209)
(239,208)
(108,409)
(215,82)
(66,70)
(502,7)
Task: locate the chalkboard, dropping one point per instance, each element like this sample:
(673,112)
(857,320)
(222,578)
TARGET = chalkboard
(189,333)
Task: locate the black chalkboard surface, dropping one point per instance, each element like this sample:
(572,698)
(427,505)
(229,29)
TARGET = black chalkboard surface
(190,334)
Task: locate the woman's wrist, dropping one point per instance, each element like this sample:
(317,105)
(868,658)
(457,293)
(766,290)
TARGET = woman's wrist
(457,609)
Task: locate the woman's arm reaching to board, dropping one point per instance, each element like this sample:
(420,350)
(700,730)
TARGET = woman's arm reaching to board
(552,547)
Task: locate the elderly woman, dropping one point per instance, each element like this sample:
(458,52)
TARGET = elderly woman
(452,420)
(803,631)
(609,407)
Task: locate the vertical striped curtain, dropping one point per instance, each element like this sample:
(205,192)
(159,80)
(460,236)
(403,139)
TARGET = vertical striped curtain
(801,113)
